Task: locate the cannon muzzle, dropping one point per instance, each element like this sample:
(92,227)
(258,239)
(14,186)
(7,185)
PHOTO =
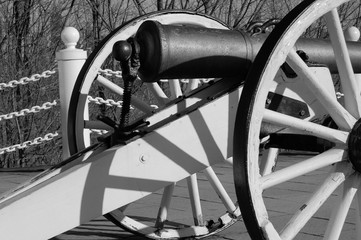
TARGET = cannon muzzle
(177,51)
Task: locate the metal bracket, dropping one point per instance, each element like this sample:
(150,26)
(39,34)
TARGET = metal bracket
(286,105)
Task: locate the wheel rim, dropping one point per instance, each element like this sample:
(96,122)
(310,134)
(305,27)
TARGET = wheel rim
(87,83)
(253,189)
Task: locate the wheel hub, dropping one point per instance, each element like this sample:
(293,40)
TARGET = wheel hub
(354,146)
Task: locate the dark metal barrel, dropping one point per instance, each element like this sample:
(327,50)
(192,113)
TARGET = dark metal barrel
(321,51)
(169,51)
(175,51)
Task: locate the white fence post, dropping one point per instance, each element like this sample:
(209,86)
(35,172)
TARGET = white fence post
(70,61)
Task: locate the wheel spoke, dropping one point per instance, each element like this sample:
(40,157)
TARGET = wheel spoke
(141,105)
(195,199)
(322,160)
(268,161)
(338,113)
(308,209)
(340,211)
(348,80)
(192,84)
(358,215)
(221,192)
(164,206)
(158,93)
(175,88)
(305,127)
(97,125)
(110,85)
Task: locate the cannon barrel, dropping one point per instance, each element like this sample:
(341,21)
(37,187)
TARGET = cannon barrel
(176,51)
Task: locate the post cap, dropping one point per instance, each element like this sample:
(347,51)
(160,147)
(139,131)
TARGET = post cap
(352,34)
(70,37)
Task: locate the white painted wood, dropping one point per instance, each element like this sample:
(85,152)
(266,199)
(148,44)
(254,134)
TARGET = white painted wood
(358,215)
(338,113)
(229,161)
(270,230)
(347,77)
(306,127)
(306,166)
(308,209)
(162,116)
(192,84)
(70,61)
(175,88)
(195,199)
(164,206)
(158,93)
(220,190)
(97,125)
(47,174)
(268,160)
(155,233)
(122,174)
(193,190)
(340,210)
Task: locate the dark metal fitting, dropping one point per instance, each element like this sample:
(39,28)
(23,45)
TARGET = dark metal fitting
(127,53)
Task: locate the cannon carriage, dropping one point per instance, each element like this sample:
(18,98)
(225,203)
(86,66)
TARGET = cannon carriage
(268,92)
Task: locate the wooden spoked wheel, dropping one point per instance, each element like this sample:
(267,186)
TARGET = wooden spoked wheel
(305,194)
(94,84)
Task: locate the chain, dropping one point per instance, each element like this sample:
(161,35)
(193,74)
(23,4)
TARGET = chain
(111,102)
(108,102)
(26,80)
(339,95)
(109,72)
(36,141)
(34,109)
(255,28)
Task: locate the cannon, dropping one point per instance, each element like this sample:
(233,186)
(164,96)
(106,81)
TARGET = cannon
(261,94)
(173,52)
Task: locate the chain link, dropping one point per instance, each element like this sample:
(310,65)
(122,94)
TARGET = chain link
(255,28)
(34,109)
(108,102)
(109,72)
(36,141)
(26,80)
(339,95)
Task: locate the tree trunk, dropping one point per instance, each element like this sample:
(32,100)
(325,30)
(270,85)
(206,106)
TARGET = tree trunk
(21,11)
